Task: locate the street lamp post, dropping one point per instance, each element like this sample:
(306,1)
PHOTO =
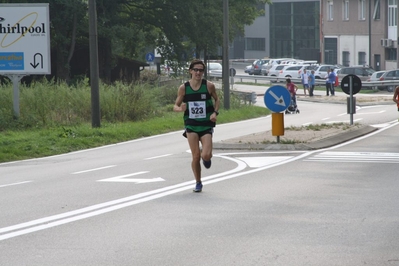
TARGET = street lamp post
(94,71)
(225,62)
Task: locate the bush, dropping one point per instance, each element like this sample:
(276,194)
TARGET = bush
(47,103)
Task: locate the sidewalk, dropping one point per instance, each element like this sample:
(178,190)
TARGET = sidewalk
(381,97)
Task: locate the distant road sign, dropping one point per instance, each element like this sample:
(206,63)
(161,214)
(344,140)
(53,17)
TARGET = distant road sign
(277,98)
(149,57)
(25,39)
(356,84)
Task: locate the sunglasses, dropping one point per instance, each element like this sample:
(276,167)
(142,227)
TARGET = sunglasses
(198,70)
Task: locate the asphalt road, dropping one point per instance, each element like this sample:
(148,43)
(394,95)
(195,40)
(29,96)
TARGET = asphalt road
(132,203)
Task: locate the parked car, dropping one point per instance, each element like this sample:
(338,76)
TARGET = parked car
(248,69)
(362,72)
(274,71)
(214,67)
(265,69)
(291,71)
(321,71)
(257,66)
(390,75)
(376,77)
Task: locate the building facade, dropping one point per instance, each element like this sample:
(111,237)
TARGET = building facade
(288,29)
(357,32)
(345,32)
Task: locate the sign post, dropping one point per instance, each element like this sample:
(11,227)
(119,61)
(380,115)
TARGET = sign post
(351,84)
(277,99)
(149,57)
(24,43)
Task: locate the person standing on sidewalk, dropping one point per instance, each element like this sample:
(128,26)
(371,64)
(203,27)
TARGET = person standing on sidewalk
(331,81)
(327,85)
(305,81)
(312,82)
(198,100)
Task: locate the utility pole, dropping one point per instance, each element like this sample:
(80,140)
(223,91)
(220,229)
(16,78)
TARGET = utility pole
(226,71)
(94,71)
(397,37)
(370,34)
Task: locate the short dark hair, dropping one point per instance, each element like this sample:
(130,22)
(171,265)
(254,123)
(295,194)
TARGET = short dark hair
(288,80)
(196,62)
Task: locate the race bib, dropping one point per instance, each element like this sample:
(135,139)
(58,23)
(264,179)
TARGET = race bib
(197,110)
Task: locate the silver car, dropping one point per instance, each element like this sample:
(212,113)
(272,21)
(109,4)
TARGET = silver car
(291,71)
(390,75)
(274,71)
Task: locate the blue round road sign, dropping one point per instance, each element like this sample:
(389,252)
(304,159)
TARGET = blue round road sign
(277,98)
(149,57)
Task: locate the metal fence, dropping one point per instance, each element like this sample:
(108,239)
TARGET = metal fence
(269,79)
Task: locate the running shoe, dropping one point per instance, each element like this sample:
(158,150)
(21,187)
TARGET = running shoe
(207,164)
(198,187)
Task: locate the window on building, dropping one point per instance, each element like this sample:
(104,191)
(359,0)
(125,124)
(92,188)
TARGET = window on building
(330,11)
(376,14)
(345,11)
(390,54)
(392,13)
(255,44)
(345,58)
(362,10)
(362,58)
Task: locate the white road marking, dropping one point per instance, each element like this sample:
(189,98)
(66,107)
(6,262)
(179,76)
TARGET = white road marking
(372,113)
(68,217)
(326,118)
(95,169)
(380,125)
(369,157)
(263,161)
(156,157)
(345,121)
(123,178)
(15,184)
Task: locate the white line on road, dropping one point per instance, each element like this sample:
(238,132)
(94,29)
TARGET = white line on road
(15,184)
(156,157)
(122,178)
(95,169)
(371,113)
(67,217)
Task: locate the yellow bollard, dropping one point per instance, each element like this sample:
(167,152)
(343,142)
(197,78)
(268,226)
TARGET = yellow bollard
(277,124)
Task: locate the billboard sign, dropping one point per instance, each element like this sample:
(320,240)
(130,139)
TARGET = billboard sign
(24,39)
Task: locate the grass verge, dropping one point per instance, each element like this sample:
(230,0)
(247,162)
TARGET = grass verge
(34,143)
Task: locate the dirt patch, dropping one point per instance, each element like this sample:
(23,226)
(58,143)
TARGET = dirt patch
(360,99)
(294,135)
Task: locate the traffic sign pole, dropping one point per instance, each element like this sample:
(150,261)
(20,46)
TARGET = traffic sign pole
(15,78)
(351,99)
(277,99)
(278,125)
(351,84)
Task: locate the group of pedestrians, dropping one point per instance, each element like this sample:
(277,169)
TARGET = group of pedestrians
(308,82)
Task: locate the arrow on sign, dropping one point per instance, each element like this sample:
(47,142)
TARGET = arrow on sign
(123,178)
(279,100)
(34,65)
